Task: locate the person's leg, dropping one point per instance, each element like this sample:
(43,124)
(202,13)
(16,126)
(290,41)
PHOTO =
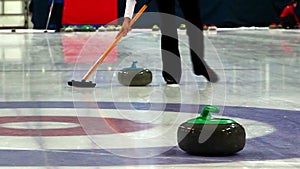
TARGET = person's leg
(291,21)
(39,14)
(283,23)
(169,42)
(56,18)
(288,22)
(60,7)
(192,13)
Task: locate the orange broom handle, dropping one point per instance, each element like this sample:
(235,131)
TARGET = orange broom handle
(113,44)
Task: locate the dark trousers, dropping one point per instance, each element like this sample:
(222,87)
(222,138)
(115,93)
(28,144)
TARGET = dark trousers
(288,22)
(38,8)
(40,11)
(169,39)
(56,16)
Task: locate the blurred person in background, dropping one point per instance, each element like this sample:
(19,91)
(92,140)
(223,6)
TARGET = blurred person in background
(169,39)
(288,17)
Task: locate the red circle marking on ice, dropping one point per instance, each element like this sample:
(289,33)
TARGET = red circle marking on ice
(87,126)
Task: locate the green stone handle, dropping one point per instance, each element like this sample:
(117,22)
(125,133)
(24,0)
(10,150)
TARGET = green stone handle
(205,114)
(206,118)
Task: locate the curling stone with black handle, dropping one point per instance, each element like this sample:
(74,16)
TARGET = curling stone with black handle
(134,76)
(209,136)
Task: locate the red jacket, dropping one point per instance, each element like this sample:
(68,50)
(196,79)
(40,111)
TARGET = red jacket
(289,10)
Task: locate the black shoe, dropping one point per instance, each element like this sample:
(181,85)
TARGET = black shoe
(172,83)
(169,79)
(208,73)
(211,75)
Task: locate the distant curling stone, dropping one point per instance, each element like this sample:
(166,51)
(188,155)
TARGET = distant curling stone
(205,27)
(212,28)
(209,136)
(69,29)
(182,26)
(111,28)
(118,28)
(134,76)
(275,26)
(87,28)
(84,28)
(155,28)
(101,29)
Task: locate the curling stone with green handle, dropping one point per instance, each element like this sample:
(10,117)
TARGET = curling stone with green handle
(209,136)
(110,27)
(182,26)
(101,29)
(155,28)
(69,28)
(86,28)
(134,76)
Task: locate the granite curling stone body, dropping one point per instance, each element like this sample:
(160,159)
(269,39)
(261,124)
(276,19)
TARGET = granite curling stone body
(209,136)
(134,76)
